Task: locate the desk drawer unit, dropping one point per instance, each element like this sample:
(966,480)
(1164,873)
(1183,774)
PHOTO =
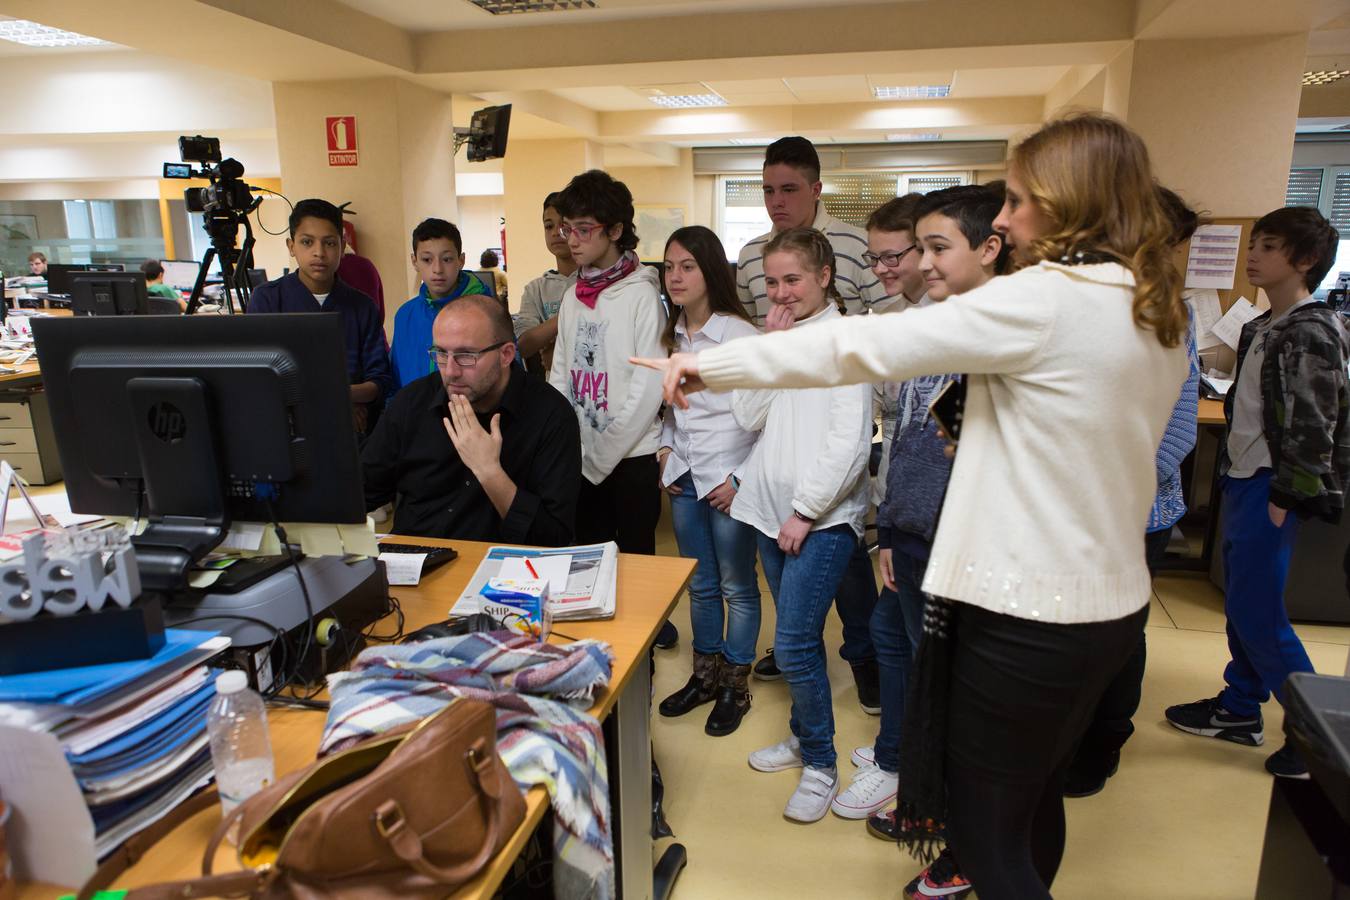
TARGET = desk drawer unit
(26,439)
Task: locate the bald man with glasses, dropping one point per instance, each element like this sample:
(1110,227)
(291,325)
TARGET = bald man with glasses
(478,449)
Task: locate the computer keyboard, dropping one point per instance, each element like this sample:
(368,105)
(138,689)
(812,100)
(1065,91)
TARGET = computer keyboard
(436,556)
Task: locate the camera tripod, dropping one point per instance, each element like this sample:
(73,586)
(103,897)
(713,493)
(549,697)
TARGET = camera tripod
(223,227)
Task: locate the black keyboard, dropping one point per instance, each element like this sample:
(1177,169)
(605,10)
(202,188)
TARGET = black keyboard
(436,556)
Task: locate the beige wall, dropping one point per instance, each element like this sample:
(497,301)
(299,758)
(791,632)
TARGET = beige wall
(480,225)
(531,171)
(1219,116)
(406,172)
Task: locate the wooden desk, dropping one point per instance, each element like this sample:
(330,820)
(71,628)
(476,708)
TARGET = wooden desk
(1210,412)
(648,588)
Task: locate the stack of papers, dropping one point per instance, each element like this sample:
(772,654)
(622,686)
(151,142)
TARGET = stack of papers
(93,755)
(582,581)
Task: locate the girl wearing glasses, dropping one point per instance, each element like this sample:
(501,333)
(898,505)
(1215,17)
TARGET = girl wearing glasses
(702,450)
(612,312)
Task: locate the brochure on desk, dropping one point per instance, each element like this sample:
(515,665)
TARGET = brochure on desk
(592,583)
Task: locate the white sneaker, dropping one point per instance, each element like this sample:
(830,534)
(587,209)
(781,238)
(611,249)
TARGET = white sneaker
(811,800)
(783,755)
(864,756)
(871,790)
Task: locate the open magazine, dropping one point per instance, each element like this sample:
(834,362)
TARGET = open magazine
(591,588)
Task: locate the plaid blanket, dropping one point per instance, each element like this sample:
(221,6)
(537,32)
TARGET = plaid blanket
(541,739)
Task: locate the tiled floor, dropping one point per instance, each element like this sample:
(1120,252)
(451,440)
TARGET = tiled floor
(1184,818)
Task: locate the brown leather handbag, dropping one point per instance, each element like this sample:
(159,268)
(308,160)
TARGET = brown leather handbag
(415,812)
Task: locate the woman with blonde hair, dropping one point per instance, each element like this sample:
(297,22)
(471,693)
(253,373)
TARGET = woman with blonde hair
(1037,574)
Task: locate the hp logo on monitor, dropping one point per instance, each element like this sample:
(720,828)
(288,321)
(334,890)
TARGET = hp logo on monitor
(167,422)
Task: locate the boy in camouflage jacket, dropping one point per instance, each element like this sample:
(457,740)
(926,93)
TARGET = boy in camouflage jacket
(1285,457)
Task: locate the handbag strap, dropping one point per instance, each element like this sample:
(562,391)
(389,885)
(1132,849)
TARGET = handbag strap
(134,847)
(392,825)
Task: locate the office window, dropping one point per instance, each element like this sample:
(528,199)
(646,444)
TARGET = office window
(78,223)
(741,213)
(1328,189)
(1305,187)
(104,218)
(852,198)
(925,184)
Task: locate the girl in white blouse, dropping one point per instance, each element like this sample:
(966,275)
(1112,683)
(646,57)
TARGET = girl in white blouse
(702,448)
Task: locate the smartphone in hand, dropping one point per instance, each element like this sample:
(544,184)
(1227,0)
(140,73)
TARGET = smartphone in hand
(948,408)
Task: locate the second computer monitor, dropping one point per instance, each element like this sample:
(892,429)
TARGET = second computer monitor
(108,294)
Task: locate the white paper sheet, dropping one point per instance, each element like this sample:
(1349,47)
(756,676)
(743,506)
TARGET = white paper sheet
(403,568)
(1208,311)
(1212,262)
(553,569)
(243,536)
(1229,328)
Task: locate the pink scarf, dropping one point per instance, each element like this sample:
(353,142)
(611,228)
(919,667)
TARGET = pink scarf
(590,281)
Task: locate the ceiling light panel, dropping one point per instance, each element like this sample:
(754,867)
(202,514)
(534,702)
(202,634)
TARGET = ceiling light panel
(1324,76)
(687,101)
(911,91)
(916,136)
(506,7)
(32,34)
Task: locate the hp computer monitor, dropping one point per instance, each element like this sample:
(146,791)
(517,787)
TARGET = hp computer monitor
(197,422)
(108,294)
(58,276)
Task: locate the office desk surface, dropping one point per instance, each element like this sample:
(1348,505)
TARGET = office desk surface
(1210,413)
(648,588)
(29,371)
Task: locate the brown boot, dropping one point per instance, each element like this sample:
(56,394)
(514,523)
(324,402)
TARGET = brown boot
(701,687)
(733,700)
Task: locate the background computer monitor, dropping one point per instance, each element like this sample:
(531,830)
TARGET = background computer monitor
(58,276)
(108,293)
(180,273)
(188,406)
(257,277)
(106,267)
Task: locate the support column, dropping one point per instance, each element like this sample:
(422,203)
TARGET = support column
(1219,117)
(530,172)
(405,171)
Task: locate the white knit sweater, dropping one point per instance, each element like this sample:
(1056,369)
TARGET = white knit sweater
(1067,402)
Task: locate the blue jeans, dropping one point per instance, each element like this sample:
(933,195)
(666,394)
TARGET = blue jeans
(897,625)
(854,600)
(803,587)
(1256,554)
(725,550)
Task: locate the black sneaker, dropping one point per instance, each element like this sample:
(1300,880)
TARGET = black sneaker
(942,878)
(667,637)
(1208,718)
(882,825)
(767,668)
(1287,763)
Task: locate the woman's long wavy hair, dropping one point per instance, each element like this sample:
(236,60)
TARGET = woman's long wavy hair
(1090,178)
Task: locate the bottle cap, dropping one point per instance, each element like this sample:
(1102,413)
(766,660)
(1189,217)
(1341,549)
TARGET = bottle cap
(231,682)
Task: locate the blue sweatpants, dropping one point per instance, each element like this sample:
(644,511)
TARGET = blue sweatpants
(1256,555)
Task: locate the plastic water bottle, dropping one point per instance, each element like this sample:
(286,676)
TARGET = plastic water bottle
(241,749)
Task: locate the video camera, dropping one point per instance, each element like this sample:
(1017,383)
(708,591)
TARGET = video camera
(226,191)
(224,205)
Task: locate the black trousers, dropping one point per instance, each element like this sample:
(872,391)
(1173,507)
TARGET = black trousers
(1022,692)
(623,508)
(1111,725)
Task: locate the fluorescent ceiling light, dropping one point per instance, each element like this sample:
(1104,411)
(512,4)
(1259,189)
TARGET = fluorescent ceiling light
(912,92)
(31,34)
(505,7)
(750,142)
(916,136)
(687,101)
(1324,76)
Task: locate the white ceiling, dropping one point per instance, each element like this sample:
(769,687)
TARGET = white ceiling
(420,16)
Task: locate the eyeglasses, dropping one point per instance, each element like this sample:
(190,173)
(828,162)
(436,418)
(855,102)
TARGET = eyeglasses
(583,232)
(890,259)
(465,359)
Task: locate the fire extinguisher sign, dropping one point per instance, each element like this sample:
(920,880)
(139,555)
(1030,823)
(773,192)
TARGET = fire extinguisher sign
(341,140)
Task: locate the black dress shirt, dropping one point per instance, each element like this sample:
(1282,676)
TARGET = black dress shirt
(409,455)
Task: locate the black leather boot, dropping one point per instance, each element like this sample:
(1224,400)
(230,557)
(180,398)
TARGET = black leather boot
(733,700)
(700,689)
